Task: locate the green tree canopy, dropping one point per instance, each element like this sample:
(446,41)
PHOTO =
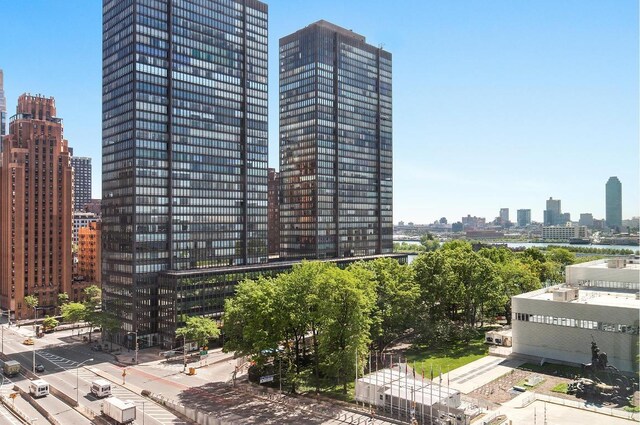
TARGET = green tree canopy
(63,298)
(50,323)
(74,312)
(198,329)
(429,242)
(397,295)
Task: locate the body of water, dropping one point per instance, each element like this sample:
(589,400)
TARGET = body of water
(543,245)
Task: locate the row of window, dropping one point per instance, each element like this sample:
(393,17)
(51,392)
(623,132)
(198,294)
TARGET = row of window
(576,323)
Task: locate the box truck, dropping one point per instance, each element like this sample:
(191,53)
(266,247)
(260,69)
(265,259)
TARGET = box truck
(11,368)
(120,411)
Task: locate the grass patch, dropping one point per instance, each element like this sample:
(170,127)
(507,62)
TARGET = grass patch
(445,358)
(632,409)
(561,388)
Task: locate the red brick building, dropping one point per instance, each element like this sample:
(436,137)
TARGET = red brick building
(35,208)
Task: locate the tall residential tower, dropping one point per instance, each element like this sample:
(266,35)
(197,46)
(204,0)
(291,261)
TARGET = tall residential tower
(35,208)
(184,146)
(81,181)
(613,195)
(335,144)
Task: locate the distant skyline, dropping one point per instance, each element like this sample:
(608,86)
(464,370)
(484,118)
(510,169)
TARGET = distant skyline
(496,104)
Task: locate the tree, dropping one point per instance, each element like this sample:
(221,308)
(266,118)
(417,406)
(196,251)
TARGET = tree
(517,278)
(109,324)
(63,298)
(429,242)
(250,323)
(344,328)
(397,296)
(92,298)
(49,323)
(31,301)
(198,329)
(457,285)
(73,312)
(562,256)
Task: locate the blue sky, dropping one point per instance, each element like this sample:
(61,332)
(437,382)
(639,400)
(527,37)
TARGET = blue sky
(497,103)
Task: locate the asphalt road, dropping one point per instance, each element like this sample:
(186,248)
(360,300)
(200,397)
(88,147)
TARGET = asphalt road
(67,359)
(61,361)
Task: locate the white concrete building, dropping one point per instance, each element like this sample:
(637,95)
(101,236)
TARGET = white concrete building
(600,300)
(565,232)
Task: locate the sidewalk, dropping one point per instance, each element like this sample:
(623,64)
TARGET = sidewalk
(152,355)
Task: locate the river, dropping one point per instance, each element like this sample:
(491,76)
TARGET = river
(544,244)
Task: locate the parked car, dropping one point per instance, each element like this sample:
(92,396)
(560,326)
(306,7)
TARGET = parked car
(39,368)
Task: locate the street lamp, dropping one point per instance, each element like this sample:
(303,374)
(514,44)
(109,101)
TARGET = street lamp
(33,362)
(135,333)
(77,380)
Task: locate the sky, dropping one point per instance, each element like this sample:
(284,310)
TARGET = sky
(496,103)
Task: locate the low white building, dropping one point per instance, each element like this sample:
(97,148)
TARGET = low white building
(565,232)
(599,302)
(399,394)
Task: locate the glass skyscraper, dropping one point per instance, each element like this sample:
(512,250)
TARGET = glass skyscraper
(335,144)
(184,145)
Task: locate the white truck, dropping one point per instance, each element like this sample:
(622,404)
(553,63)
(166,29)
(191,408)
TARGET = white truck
(39,388)
(120,411)
(101,388)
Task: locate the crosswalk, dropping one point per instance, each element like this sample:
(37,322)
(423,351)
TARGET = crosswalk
(144,406)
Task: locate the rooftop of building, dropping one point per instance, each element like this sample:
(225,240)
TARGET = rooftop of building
(403,385)
(631,262)
(595,296)
(270,265)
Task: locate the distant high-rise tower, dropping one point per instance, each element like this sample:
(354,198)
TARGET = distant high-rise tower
(553,213)
(335,144)
(504,215)
(273,223)
(81,181)
(184,146)
(524,217)
(3,107)
(35,208)
(614,203)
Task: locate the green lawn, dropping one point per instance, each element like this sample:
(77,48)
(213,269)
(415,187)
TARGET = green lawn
(563,387)
(445,358)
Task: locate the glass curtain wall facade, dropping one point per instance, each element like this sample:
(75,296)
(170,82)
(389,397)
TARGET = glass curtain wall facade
(335,144)
(184,145)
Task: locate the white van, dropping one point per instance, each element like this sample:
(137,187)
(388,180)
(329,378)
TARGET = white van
(101,388)
(39,388)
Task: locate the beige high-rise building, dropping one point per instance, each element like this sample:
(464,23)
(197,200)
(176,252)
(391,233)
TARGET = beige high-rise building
(35,208)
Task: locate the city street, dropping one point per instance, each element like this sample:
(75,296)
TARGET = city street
(67,359)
